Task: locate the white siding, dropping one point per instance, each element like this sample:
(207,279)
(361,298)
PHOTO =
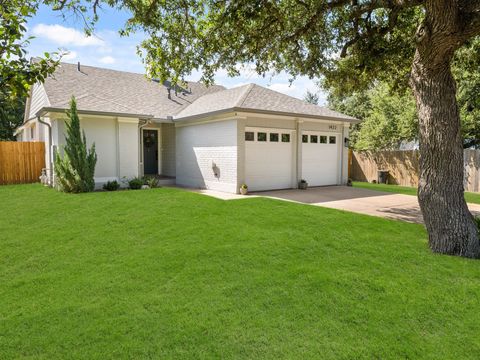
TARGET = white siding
(206,156)
(38,100)
(128,144)
(103,132)
(270,122)
(168,149)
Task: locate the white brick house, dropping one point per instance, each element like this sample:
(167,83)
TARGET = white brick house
(195,136)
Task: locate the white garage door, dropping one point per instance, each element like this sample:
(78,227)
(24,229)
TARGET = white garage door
(268,159)
(320,158)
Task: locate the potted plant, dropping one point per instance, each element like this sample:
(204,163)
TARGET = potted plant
(303,185)
(244,189)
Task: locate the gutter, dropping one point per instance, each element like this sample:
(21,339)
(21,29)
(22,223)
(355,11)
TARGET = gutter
(50,146)
(257,111)
(99,113)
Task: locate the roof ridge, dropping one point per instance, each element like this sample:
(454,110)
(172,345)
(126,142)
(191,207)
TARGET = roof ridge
(128,72)
(248,90)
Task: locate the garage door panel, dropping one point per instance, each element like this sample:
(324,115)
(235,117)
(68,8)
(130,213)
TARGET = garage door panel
(268,164)
(320,159)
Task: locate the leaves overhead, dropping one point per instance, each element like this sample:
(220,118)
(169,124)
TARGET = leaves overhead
(301,37)
(17,72)
(389,114)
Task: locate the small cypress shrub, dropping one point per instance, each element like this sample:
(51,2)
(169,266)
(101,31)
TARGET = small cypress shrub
(76,169)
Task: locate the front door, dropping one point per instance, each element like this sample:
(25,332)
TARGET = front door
(150,152)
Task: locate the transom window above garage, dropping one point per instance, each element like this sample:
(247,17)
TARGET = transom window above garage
(273,137)
(318,138)
(249,136)
(264,136)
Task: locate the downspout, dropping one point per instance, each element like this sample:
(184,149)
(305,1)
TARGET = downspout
(50,146)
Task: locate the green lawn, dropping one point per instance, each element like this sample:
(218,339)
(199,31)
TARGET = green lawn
(407,190)
(169,274)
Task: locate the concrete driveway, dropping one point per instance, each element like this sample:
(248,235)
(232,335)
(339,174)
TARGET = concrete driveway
(363,201)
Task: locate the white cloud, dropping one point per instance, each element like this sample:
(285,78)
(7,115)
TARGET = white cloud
(64,36)
(107,60)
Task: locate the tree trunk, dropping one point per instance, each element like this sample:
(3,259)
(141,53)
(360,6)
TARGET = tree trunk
(449,223)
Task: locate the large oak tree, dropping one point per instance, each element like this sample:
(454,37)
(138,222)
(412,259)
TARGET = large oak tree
(347,41)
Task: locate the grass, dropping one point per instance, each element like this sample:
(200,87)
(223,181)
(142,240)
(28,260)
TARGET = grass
(473,198)
(169,274)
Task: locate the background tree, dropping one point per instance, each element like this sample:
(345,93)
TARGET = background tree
(389,114)
(352,44)
(17,72)
(389,118)
(311,98)
(76,169)
(11,117)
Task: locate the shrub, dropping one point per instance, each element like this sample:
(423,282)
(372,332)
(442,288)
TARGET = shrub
(244,186)
(75,170)
(135,183)
(111,185)
(151,181)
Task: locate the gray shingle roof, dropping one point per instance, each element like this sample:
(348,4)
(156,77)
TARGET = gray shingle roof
(253,98)
(105,90)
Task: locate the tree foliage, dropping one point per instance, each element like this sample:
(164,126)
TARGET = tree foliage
(76,169)
(389,118)
(311,98)
(389,114)
(11,117)
(17,72)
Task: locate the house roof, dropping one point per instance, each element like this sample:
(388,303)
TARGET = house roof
(105,90)
(99,90)
(255,98)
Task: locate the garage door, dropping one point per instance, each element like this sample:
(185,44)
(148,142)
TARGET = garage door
(320,158)
(268,159)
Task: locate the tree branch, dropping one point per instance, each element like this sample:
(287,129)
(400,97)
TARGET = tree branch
(472,26)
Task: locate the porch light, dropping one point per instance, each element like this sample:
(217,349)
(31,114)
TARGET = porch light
(346,142)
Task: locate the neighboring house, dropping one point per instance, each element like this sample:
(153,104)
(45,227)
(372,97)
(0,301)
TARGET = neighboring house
(197,136)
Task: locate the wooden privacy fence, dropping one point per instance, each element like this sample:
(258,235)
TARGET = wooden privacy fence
(402,167)
(21,162)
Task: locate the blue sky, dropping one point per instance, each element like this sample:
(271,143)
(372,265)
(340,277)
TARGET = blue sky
(107,49)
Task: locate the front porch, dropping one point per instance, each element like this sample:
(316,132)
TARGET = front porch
(157,152)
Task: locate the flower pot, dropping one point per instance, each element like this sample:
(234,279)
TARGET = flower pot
(302,185)
(243,191)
